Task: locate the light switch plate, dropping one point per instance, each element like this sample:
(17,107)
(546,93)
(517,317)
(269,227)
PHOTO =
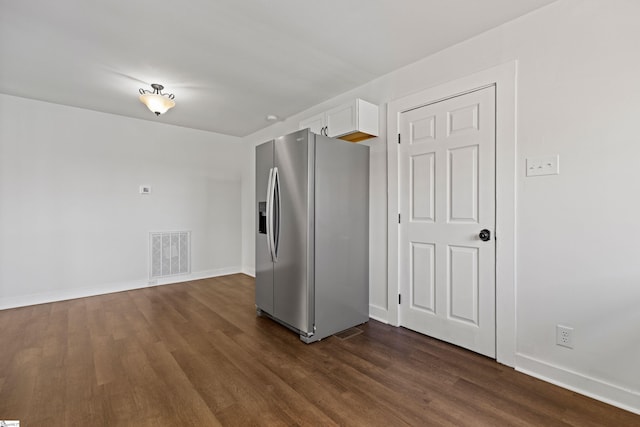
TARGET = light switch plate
(547,165)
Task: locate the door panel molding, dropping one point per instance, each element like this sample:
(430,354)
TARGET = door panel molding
(422,266)
(504,78)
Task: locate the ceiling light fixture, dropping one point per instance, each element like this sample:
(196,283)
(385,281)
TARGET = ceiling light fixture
(156,101)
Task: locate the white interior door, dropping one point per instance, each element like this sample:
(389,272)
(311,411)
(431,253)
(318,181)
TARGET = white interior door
(447,197)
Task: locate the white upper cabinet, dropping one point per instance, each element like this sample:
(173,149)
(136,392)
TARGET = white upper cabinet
(354,121)
(315,123)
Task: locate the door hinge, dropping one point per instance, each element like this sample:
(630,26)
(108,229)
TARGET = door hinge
(398,138)
(398,218)
(399,299)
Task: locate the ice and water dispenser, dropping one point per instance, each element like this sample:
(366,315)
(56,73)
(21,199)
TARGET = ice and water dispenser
(262,217)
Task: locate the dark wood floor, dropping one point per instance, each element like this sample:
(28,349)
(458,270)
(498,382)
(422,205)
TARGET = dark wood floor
(195,354)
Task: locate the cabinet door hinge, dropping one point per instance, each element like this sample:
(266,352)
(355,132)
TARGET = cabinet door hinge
(399,299)
(398,138)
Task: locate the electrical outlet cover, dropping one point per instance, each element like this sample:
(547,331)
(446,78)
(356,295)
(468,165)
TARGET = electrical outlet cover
(564,336)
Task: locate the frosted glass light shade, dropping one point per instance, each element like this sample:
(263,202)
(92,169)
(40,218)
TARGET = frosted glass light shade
(158,104)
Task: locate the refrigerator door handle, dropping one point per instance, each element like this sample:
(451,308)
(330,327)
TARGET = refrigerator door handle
(274,219)
(269,212)
(276,235)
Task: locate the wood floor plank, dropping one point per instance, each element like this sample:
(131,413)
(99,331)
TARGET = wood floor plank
(275,394)
(186,403)
(196,354)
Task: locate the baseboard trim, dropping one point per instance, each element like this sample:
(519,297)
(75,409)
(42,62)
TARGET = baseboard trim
(249,271)
(67,294)
(378,313)
(612,394)
(207,274)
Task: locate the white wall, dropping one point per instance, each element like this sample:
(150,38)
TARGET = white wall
(72,222)
(577,258)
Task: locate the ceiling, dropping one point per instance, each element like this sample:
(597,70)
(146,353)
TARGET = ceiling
(229,63)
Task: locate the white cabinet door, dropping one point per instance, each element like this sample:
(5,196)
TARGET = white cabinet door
(315,123)
(342,119)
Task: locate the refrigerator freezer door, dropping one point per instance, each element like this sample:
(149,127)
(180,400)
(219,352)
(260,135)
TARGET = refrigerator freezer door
(293,280)
(264,265)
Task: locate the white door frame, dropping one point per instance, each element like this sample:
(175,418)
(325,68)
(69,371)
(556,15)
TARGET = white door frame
(504,78)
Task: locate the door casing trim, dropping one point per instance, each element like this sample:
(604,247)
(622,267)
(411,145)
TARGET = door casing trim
(504,77)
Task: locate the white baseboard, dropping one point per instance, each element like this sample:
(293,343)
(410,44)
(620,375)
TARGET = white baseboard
(198,275)
(249,271)
(108,288)
(612,394)
(378,313)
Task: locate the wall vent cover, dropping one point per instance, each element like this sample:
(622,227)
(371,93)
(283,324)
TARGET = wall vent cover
(170,253)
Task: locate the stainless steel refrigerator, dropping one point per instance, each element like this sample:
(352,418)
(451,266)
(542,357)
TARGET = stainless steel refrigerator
(312,233)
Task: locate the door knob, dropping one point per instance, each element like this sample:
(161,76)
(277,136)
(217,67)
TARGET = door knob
(485,235)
